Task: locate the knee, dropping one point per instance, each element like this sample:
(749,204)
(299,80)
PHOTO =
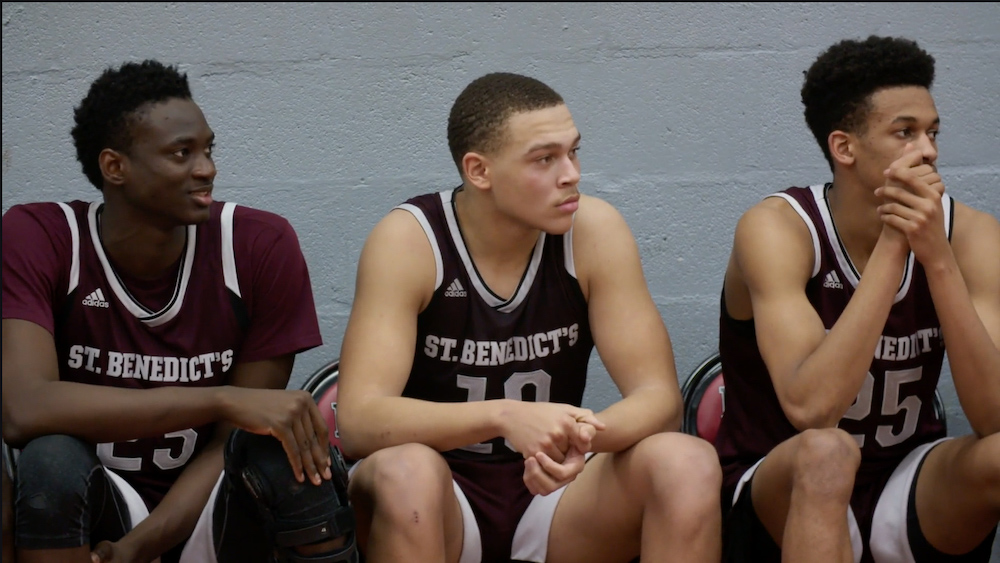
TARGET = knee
(53,481)
(57,466)
(826,461)
(406,475)
(294,513)
(679,466)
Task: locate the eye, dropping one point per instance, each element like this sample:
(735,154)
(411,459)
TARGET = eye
(182,152)
(933,134)
(904,133)
(574,152)
(210,150)
(545,159)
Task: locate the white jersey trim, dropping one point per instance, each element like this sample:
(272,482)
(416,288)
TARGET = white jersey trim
(228,251)
(140,312)
(74,231)
(488,296)
(418,214)
(843,260)
(568,251)
(889,536)
(133,502)
(817,258)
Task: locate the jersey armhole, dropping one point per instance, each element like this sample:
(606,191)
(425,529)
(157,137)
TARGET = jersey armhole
(228,251)
(812,228)
(74,230)
(418,214)
(568,251)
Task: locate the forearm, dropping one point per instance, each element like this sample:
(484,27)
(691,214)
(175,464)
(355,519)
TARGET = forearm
(105,414)
(391,421)
(828,380)
(173,520)
(972,354)
(643,413)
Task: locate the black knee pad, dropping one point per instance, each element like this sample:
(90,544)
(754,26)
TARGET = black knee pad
(293,513)
(58,481)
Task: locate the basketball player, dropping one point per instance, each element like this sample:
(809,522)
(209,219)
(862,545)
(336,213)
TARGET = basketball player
(138,331)
(839,302)
(465,359)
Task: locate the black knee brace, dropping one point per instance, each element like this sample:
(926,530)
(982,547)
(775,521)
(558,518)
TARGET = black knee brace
(63,499)
(293,513)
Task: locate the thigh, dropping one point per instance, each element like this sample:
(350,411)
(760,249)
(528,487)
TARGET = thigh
(957,493)
(600,515)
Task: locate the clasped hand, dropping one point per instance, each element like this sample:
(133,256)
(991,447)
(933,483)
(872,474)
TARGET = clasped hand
(554,439)
(912,204)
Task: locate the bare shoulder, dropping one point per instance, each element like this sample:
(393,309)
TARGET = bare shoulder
(603,245)
(771,227)
(595,213)
(975,240)
(598,224)
(973,226)
(398,256)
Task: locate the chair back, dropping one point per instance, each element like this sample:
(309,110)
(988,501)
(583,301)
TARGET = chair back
(322,385)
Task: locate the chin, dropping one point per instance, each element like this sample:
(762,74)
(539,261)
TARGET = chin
(196,217)
(559,227)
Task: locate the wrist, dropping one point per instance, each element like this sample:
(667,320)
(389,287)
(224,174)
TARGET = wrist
(221,402)
(502,412)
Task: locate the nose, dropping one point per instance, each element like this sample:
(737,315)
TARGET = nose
(205,167)
(928,148)
(569,173)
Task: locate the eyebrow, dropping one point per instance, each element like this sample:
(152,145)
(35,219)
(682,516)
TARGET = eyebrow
(542,146)
(911,119)
(187,139)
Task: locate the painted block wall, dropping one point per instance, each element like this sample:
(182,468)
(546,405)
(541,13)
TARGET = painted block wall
(330,114)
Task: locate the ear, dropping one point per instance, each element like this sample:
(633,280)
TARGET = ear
(841,146)
(113,166)
(476,168)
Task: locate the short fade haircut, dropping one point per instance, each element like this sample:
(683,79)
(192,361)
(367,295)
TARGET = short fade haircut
(839,85)
(114,103)
(478,118)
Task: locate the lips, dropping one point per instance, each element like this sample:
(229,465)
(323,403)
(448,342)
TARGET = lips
(570,204)
(203,196)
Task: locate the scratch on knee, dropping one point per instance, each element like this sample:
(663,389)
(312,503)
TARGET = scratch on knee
(416,517)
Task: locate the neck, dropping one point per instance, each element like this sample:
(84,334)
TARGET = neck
(491,236)
(142,249)
(855,213)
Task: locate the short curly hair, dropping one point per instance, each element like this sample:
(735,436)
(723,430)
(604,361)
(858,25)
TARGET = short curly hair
(838,86)
(114,103)
(478,117)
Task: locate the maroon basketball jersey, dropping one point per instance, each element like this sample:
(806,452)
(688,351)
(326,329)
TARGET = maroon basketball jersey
(226,301)
(894,411)
(473,345)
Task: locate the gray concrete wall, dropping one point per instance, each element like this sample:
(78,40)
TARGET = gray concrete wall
(331,113)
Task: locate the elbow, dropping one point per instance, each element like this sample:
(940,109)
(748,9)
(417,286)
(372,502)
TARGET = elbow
(352,444)
(806,417)
(15,433)
(351,450)
(675,415)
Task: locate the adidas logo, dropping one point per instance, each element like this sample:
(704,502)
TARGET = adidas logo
(96,299)
(455,289)
(832,281)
